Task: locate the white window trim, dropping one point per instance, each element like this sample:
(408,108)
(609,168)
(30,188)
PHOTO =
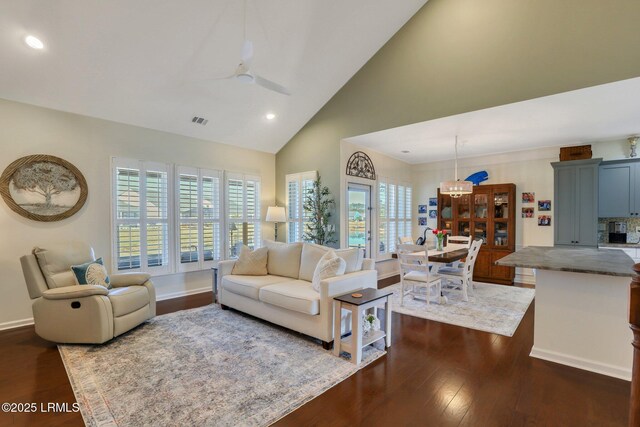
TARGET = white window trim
(245,218)
(201,264)
(142,167)
(407,218)
(299,178)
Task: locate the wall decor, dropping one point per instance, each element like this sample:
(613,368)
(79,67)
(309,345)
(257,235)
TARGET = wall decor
(478,177)
(360,165)
(433,213)
(43,188)
(527,212)
(544,205)
(433,201)
(422,209)
(422,220)
(528,197)
(544,220)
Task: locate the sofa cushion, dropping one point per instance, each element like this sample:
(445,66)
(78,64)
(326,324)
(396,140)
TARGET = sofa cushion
(284,258)
(92,273)
(55,262)
(249,286)
(295,295)
(330,265)
(311,254)
(127,300)
(251,263)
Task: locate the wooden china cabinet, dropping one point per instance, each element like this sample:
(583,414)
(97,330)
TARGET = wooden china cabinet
(487,214)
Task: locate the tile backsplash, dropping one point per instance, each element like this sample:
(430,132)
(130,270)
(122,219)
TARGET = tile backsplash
(632,224)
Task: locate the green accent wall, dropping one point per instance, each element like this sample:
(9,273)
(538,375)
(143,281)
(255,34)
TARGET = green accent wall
(456,56)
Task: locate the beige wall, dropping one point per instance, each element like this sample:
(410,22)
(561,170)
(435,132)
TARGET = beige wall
(530,171)
(456,56)
(89,144)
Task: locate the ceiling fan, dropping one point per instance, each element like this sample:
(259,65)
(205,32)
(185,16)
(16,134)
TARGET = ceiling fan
(243,72)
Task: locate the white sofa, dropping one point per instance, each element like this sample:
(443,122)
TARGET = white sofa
(285,295)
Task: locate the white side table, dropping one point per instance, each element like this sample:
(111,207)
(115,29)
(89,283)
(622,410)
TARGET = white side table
(353,344)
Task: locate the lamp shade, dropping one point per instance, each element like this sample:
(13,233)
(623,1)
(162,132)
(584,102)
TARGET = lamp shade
(276,214)
(456,188)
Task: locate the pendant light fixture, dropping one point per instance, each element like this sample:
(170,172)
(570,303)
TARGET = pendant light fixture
(456,188)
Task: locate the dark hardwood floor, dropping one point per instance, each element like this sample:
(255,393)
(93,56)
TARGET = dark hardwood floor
(434,374)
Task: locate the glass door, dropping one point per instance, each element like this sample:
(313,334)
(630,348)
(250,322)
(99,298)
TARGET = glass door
(359,217)
(480,215)
(501,216)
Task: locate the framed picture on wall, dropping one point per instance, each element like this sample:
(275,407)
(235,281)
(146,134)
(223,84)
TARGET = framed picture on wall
(544,205)
(422,220)
(433,213)
(433,201)
(527,212)
(422,209)
(544,220)
(528,197)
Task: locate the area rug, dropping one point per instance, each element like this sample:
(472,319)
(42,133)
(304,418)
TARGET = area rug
(491,308)
(203,366)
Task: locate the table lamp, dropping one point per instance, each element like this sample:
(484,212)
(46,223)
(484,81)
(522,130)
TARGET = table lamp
(276,214)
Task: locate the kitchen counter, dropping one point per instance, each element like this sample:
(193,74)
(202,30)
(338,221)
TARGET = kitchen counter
(619,245)
(578,260)
(581,306)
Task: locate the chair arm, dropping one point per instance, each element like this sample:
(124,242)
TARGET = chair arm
(120,280)
(349,282)
(368,264)
(78,291)
(225,268)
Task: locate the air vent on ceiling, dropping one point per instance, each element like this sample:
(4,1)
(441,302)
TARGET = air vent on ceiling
(199,120)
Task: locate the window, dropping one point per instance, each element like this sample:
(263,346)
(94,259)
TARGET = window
(243,212)
(197,218)
(298,185)
(394,214)
(141,216)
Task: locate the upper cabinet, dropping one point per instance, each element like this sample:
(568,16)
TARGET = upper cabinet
(619,183)
(576,202)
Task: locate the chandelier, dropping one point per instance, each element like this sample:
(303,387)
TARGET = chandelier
(456,188)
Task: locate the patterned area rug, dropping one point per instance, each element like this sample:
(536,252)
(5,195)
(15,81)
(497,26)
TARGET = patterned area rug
(203,366)
(491,308)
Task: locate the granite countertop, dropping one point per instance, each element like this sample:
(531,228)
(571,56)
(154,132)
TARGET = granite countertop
(620,245)
(579,260)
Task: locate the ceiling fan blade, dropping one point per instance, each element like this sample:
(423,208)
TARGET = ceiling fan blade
(247,53)
(268,84)
(213,79)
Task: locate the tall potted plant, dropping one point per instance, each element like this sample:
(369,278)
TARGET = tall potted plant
(318,204)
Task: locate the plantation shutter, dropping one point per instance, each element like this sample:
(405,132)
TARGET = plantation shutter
(298,186)
(243,212)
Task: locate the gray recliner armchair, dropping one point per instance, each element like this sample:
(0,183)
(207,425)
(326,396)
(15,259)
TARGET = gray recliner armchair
(65,312)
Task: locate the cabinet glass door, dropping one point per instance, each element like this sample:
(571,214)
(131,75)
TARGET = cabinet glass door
(500,234)
(445,209)
(501,208)
(448,226)
(480,231)
(481,205)
(463,228)
(464,207)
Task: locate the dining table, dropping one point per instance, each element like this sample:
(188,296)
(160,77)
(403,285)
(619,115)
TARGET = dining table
(445,256)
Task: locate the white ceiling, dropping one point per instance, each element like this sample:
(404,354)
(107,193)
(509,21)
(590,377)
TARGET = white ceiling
(146,62)
(599,113)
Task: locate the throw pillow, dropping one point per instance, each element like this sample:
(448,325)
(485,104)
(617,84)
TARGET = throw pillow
(251,263)
(92,273)
(284,258)
(330,265)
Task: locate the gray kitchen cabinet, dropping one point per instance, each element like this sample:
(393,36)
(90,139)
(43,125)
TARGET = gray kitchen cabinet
(576,202)
(618,189)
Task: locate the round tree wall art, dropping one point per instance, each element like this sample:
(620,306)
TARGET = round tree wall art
(43,188)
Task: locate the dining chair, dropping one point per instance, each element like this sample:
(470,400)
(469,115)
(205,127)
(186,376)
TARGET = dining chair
(405,240)
(458,242)
(415,275)
(462,277)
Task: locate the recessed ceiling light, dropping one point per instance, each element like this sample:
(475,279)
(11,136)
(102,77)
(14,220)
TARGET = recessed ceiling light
(269,116)
(34,42)
(405,151)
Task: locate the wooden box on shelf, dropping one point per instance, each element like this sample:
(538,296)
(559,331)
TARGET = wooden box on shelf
(489,213)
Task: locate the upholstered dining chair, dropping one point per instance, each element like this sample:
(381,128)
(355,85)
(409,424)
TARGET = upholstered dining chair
(415,275)
(65,312)
(462,277)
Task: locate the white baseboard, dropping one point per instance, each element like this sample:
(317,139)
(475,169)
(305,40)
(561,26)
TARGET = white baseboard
(16,324)
(172,295)
(26,322)
(580,363)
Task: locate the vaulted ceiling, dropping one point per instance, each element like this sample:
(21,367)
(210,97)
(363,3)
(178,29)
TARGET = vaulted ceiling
(151,62)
